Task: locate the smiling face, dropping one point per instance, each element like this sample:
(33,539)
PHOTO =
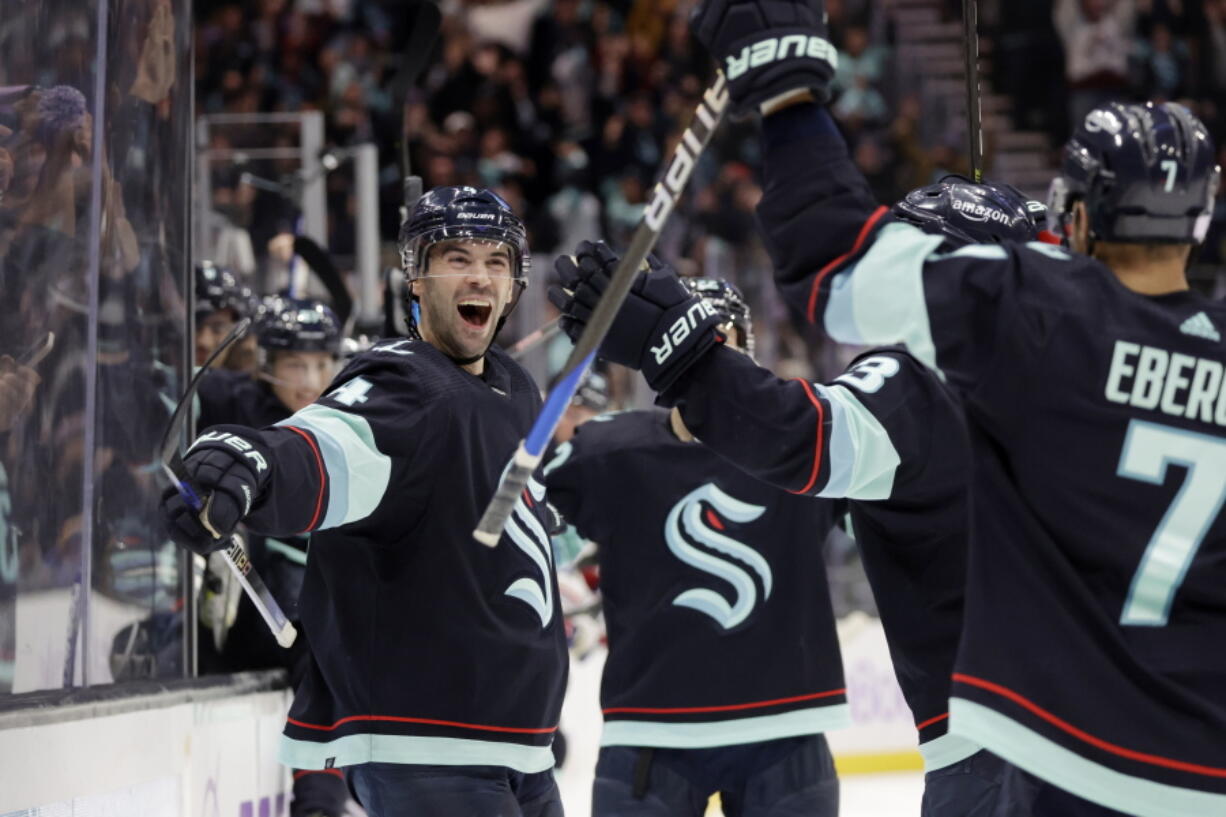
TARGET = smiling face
(299,378)
(465,290)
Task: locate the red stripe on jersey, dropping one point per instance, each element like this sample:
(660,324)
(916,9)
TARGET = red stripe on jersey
(304,772)
(920,727)
(651,710)
(428,721)
(323,477)
(817,453)
(826,270)
(1086,737)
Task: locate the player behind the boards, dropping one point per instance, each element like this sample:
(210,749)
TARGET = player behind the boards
(1094,392)
(437,664)
(221,301)
(298,343)
(723,670)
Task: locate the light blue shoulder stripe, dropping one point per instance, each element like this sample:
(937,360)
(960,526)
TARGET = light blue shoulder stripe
(726,733)
(293,554)
(946,751)
(366,748)
(358,472)
(880,299)
(1092,781)
(863,460)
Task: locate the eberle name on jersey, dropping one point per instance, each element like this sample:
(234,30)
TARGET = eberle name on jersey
(1180,385)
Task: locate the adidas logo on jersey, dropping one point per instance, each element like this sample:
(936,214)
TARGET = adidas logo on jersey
(1200,326)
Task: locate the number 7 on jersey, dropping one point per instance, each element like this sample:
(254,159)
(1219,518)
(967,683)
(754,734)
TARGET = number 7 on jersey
(1148,449)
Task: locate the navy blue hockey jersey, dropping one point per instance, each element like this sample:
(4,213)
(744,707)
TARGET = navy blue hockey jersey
(226,396)
(720,625)
(1095,613)
(426,647)
(890,436)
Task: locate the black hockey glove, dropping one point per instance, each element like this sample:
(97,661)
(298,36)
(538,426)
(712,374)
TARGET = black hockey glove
(661,328)
(767,48)
(231,470)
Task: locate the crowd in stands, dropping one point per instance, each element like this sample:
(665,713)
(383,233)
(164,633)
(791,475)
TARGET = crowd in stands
(568,107)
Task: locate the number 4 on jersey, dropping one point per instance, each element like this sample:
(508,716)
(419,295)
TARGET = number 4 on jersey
(1148,449)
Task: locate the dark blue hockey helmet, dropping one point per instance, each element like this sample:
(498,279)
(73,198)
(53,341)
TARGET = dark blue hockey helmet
(1147,174)
(298,325)
(447,213)
(728,303)
(970,213)
(217,289)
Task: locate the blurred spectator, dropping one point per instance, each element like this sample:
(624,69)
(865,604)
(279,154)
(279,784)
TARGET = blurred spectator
(571,106)
(1097,36)
(1164,64)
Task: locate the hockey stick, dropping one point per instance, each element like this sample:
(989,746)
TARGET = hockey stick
(664,198)
(320,262)
(974,110)
(533,339)
(235,555)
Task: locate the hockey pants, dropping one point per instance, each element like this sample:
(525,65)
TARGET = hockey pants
(792,777)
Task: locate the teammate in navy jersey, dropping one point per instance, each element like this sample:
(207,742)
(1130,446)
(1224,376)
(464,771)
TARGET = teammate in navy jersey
(723,669)
(437,664)
(298,344)
(221,301)
(882,421)
(1093,392)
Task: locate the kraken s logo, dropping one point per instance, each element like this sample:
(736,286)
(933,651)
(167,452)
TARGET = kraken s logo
(528,534)
(687,518)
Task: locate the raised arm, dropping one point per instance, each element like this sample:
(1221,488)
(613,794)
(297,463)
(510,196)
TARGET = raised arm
(328,465)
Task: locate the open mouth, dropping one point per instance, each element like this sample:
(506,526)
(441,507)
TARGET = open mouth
(475,312)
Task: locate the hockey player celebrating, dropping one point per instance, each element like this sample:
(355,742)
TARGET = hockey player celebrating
(437,665)
(1093,580)
(298,341)
(881,420)
(723,668)
(913,539)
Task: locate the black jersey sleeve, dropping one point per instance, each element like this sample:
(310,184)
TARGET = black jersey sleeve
(573,473)
(332,462)
(846,264)
(867,435)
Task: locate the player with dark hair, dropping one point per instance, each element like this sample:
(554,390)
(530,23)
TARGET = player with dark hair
(704,573)
(437,665)
(1084,380)
(298,343)
(220,303)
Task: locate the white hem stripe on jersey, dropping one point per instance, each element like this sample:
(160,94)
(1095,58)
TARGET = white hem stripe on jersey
(358,473)
(1200,326)
(351,750)
(661,735)
(1061,767)
(946,751)
(862,459)
(856,313)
